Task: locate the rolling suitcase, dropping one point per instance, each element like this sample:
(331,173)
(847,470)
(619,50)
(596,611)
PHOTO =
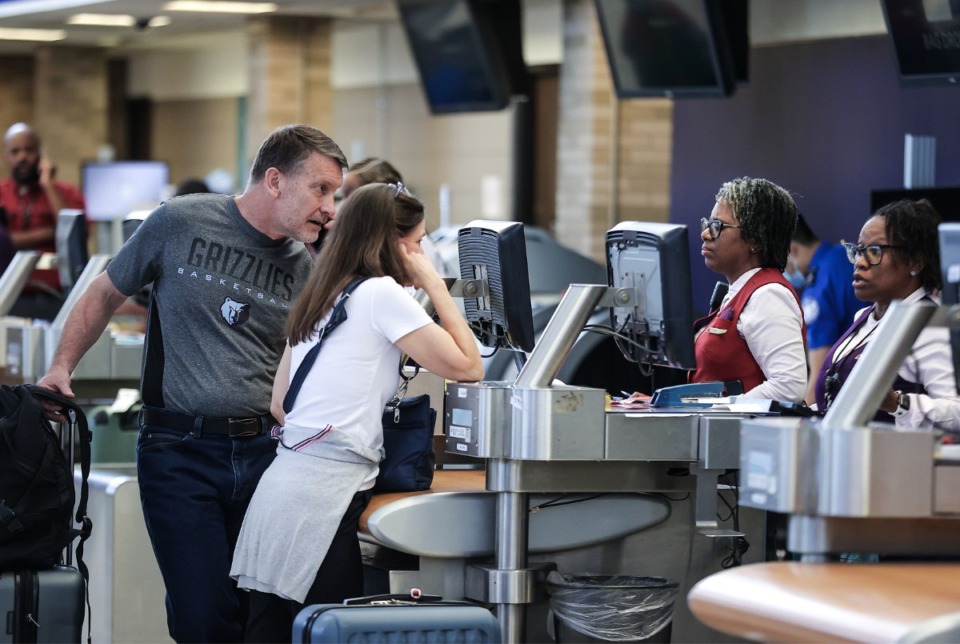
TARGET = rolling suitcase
(41,605)
(390,619)
(46,603)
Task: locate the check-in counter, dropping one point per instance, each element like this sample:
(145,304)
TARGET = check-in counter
(808,602)
(126,589)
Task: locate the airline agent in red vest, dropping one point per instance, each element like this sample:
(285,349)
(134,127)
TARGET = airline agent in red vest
(757,333)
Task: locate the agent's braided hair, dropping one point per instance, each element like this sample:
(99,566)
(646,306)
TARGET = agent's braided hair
(913,225)
(766,214)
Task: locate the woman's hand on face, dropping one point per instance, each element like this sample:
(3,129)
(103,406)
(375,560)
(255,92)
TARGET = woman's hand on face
(419,268)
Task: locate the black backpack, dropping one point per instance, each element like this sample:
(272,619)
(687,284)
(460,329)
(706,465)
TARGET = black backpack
(36,482)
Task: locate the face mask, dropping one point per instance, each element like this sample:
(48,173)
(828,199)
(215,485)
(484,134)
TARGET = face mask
(796,279)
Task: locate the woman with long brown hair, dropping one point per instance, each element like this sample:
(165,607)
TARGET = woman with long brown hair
(299,543)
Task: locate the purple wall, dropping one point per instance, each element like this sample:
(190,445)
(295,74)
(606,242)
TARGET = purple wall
(825,120)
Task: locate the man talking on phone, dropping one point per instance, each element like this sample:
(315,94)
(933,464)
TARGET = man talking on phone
(31,198)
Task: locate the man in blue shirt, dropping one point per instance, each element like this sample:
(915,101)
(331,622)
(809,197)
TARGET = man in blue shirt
(827,298)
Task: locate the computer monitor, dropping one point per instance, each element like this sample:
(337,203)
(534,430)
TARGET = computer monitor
(950,273)
(469,52)
(112,190)
(495,251)
(654,260)
(70,242)
(674,48)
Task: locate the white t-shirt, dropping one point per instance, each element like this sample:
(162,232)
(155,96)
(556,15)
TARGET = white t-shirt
(357,369)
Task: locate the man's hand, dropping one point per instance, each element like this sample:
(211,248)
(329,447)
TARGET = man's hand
(57,381)
(47,171)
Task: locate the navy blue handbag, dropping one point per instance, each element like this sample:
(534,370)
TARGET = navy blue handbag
(408,460)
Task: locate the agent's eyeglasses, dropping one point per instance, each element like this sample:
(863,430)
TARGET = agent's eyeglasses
(715,225)
(873,253)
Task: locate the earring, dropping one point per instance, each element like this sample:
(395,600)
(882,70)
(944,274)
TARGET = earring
(913,273)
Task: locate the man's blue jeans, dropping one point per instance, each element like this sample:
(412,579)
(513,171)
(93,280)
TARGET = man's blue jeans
(194,492)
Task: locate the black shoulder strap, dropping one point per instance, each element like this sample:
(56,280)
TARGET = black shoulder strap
(338,316)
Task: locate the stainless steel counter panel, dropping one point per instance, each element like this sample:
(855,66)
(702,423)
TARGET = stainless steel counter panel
(875,472)
(720,442)
(556,423)
(651,437)
(772,458)
(476,417)
(126,589)
(802,467)
(946,484)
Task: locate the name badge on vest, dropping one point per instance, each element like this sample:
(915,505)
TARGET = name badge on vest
(714,330)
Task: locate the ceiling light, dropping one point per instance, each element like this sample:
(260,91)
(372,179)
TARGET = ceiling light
(26,7)
(43,35)
(159,21)
(102,20)
(220,6)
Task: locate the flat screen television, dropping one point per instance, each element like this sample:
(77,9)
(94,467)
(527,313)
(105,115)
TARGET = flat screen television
(673,48)
(469,52)
(925,36)
(950,273)
(653,260)
(115,189)
(495,251)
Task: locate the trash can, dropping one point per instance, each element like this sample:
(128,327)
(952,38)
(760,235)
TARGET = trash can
(607,608)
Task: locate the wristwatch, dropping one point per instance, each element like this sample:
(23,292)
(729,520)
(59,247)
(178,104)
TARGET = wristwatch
(903,404)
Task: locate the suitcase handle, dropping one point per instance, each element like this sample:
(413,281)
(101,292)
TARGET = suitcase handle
(415,596)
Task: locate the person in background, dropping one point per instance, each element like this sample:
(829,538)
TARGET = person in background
(897,257)
(827,298)
(374,170)
(756,335)
(191,186)
(225,272)
(32,199)
(369,170)
(298,544)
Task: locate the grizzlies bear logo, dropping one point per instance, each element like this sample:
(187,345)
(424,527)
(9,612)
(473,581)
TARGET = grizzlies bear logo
(233,312)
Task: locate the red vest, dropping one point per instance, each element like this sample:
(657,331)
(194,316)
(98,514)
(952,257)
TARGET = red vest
(720,351)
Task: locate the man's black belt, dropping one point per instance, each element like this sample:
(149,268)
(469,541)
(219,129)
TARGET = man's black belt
(210,425)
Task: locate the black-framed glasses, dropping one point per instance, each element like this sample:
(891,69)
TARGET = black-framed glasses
(715,225)
(873,253)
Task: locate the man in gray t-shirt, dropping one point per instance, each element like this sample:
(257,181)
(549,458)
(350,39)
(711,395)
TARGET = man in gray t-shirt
(225,271)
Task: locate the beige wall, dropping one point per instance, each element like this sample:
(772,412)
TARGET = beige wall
(16,95)
(195,136)
(458,150)
(70,105)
